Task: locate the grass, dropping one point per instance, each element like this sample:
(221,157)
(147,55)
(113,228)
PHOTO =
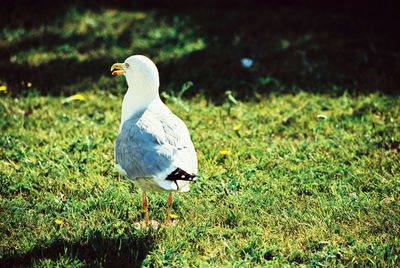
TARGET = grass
(291,188)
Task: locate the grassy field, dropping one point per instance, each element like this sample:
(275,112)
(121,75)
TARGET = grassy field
(279,183)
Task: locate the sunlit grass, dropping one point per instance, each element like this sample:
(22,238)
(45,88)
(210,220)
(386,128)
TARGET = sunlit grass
(285,187)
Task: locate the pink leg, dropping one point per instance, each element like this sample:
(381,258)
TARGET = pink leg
(169,203)
(145,207)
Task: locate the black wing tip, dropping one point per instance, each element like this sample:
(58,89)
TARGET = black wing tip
(180,175)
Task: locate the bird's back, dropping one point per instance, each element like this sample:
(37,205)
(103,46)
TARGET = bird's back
(153,143)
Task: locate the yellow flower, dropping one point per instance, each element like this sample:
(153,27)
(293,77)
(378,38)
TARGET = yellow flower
(143,211)
(59,222)
(173,216)
(3,89)
(29,84)
(76,97)
(236,128)
(224,152)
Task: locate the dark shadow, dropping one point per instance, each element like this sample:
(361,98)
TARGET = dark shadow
(295,45)
(127,251)
(293,48)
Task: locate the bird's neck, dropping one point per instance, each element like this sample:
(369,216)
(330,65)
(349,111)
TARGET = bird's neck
(137,99)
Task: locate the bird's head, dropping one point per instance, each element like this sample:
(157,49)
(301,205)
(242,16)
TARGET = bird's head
(140,72)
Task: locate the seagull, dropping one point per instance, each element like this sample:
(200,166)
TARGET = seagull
(153,147)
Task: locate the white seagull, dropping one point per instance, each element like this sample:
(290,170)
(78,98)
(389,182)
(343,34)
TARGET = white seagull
(153,146)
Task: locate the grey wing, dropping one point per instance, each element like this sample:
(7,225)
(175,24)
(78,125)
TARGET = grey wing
(178,135)
(137,152)
(152,145)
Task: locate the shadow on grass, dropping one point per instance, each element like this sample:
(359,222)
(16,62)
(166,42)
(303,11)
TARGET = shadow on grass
(293,48)
(297,46)
(128,250)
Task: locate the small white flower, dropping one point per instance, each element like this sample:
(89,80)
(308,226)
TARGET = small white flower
(353,196)
(246,62)
(322,116)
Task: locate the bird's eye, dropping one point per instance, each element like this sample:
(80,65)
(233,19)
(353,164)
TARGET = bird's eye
(126,65)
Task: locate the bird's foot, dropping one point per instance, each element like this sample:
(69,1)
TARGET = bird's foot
(171,223)
(143,225)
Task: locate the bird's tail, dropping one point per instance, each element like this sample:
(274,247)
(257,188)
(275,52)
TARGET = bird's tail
(180,175)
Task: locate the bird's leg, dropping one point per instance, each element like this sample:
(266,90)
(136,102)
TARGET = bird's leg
(145,207)
(169,202)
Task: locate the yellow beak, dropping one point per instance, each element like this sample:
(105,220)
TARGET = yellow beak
(118,68)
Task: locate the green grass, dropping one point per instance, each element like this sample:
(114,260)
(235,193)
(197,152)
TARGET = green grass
(294,188)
